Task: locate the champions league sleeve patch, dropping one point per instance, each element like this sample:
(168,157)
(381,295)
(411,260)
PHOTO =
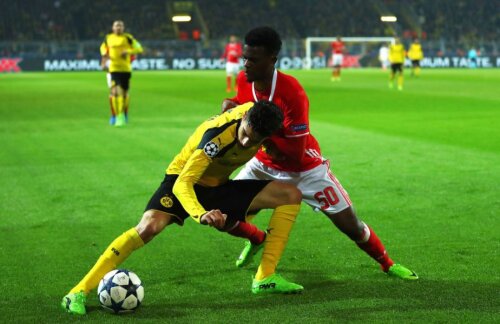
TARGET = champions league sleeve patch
(211,149)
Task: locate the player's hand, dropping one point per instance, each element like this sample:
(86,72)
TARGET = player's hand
(214,218)
(228,104)
(270,149)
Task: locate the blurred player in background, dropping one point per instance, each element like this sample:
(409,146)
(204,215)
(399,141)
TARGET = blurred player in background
(293,155)
(415,54)
(118,47)
(232,54)
(197,185)
(338,50)
(105,67)
(397,56)
(383,56)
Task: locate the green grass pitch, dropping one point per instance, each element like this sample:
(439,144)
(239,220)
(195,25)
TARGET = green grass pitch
(422,167)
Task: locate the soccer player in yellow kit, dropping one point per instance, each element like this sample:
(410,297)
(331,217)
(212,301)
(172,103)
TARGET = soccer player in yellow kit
(197,185)
(118,46)
(415,54)
(397,59)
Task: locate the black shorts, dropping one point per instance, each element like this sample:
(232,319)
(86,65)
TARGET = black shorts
(232,198)
(415,63)
(395,67)
(121,79)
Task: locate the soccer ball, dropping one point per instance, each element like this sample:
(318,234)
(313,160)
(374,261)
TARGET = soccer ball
(120,291)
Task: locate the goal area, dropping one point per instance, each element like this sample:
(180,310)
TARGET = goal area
(356,46)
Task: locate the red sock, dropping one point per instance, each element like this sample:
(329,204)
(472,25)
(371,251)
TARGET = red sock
(248,231)
(111,106)
(371,244)
(228,81)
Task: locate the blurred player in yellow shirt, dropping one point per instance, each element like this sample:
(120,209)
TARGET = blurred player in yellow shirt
(118,47)
(397,59)
(415,54)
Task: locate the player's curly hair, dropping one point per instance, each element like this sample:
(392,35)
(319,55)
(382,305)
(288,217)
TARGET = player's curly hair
(266,37)
(265,118)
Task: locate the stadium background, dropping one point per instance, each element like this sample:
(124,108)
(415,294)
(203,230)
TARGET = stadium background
(64,35)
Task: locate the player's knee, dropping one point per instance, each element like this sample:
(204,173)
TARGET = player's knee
(150,225)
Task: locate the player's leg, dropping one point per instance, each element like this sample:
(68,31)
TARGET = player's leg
(112,119)
(126,105)
(152,223)
(322,191)
(400,77)
(285,199)
(391,76)
(228,77)
(417,68)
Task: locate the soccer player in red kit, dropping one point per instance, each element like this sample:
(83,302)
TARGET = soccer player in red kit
(232,54)
(338,49)
(293,154)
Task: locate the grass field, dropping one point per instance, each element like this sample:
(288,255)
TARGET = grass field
(422,167)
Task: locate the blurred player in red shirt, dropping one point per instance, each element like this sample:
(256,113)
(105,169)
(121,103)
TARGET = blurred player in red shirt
(232,54)
(293,155)
(338,49)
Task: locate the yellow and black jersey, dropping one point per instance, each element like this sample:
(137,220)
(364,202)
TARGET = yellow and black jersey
(396,53)
(415,52)
(209,157)
(114,45)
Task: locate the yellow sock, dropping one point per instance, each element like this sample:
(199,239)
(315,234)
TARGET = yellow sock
(417,71)
(278,231)
(400,81)
(126,103)
(119,104)
(113,256)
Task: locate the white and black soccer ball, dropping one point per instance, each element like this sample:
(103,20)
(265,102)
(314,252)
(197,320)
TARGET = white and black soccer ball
(120,291)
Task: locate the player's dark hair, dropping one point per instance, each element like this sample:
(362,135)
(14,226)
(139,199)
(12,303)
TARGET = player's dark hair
(265,118)
(264,37)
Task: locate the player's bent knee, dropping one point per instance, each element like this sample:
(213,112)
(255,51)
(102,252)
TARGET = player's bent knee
(152,223)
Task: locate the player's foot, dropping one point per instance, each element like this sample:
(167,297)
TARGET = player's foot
(112,120)
(120,120)
(235,89)
(228,90)
(275,284)
(74,303)
(391,85)
(402,272)
(400,88)
(249,251)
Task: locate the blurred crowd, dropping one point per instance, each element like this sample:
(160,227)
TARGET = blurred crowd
(463,23)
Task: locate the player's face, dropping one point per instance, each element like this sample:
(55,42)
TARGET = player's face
(118,27)
(258,64)
(246,136)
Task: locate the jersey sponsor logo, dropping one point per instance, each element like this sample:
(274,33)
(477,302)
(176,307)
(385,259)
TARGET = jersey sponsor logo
(211,149)
(167,201)
(299,127)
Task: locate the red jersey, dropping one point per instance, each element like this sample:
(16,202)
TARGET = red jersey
(232,52)
(338,47)
(294,139)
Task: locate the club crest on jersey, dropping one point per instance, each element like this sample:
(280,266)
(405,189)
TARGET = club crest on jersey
(167,201)
(211,149)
